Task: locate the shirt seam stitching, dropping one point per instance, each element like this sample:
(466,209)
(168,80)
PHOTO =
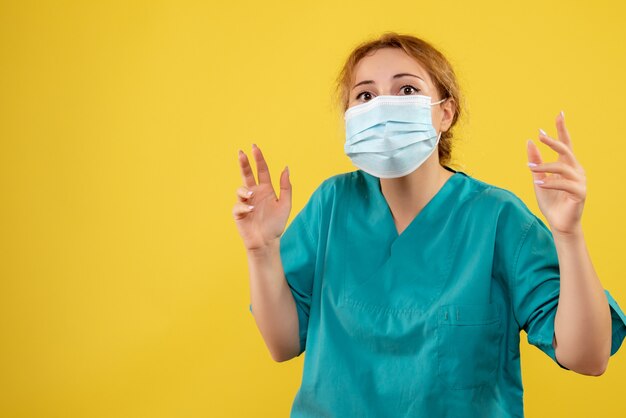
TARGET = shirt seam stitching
(513,273)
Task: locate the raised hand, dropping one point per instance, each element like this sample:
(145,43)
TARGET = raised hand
(261,216)
(560,195)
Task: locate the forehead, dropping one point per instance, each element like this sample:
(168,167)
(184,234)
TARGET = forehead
(382,64)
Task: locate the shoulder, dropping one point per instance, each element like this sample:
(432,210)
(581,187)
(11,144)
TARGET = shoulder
(336,185)
(343,180)
(490,193)
(501,203)
(324,198)
(514,225)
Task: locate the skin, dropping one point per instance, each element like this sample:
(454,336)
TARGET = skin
(261,217)
(583,320)
(582,325)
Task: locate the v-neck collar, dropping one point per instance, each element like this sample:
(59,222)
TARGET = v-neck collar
(423,215)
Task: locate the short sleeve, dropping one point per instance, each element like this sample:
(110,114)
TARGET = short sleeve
(298,252)
(536,286)
(618,323)
(536,290)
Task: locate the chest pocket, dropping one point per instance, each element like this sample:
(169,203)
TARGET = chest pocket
(468,344)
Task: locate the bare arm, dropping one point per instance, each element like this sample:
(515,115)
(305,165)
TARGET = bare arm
(261,218)
(582,325)
(274,307)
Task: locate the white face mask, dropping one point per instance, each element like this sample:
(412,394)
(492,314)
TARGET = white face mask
(390,136)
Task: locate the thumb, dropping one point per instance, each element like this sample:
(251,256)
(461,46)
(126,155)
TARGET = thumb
(285,188)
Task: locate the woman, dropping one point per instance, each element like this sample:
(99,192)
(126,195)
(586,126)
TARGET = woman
(408,282)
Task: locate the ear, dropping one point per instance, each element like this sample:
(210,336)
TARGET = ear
(449,109)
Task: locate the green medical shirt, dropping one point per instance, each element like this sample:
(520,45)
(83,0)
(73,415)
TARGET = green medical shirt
(426,323)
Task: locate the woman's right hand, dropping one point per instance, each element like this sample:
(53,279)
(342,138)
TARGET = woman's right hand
(265,222)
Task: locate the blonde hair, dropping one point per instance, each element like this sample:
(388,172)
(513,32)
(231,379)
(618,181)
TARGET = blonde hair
(438,67)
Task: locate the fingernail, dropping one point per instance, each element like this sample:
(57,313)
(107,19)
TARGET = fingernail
(538,182)
(532,165)
(240,152)
(250,207)
(249,193)
(542,132)
(562,114)
(254,146)
(287,169)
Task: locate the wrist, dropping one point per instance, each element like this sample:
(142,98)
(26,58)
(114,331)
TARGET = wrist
(574,234)
(271,247)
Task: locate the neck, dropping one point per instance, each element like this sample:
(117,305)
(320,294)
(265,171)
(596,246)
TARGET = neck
(407,195)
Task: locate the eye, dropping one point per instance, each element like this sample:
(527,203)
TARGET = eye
(407,88)
(363,93)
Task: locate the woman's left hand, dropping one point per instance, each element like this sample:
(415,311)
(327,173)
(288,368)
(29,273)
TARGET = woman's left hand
(560,195)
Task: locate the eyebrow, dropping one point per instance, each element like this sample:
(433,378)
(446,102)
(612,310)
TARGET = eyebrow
(394,77)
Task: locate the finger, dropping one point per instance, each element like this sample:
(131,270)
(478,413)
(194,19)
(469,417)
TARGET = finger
(243,193)
(263,173)
(241,210)
(285,188)
(534,158)
(557,167)
(246,171)
(562,130)
(570,186)
(558,146)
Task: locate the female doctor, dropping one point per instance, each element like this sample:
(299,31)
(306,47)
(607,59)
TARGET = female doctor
(408,282)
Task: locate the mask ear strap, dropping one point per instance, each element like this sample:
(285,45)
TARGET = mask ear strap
(442,100)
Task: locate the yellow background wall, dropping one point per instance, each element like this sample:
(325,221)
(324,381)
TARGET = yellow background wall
(124,286)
